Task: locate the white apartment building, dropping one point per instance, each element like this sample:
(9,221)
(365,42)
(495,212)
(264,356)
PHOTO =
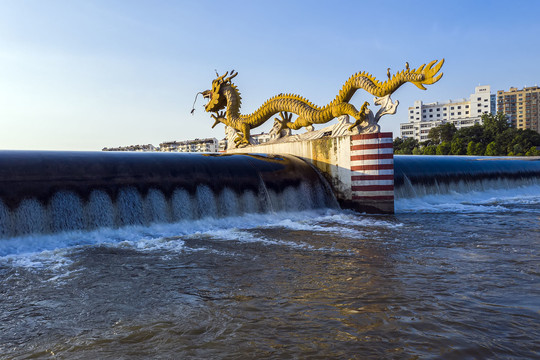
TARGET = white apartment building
(461,113)
(261,138)
(197,145)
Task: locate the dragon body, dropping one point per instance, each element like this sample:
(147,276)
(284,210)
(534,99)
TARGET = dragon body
(224,101)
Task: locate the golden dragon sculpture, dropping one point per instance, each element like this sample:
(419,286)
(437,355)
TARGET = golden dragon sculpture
(224,101)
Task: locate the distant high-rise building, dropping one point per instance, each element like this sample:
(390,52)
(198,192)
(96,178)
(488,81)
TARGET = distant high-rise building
(521,107)
(461,113)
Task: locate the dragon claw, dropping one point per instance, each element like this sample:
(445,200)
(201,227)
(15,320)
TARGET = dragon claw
(217,118)
(285,119)
(241,142)
(355,124)
(361,116)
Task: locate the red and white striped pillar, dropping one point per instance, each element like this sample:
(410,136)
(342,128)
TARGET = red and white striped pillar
(372,172)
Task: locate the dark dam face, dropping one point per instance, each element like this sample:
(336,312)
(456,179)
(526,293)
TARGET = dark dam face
(55,191)
(417,174)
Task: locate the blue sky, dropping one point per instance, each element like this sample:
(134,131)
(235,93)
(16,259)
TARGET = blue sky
(83,75)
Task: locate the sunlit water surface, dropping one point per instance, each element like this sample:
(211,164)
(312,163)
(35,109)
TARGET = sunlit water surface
(454,276)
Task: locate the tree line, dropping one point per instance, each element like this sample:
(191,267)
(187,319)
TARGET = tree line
(495,137)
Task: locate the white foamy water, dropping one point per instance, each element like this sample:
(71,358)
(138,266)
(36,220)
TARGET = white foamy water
(488,201)
(29,249)
(36,250)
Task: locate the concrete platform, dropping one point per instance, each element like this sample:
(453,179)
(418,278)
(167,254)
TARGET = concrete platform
(359,168)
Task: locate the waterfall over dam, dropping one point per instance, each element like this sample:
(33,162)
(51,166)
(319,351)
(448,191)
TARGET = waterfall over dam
(54,191)
(418,175)
(49,191)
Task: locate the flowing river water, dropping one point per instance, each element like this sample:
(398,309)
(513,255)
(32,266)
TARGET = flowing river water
(449,276)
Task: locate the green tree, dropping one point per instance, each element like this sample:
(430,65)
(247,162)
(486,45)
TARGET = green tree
(417,151)
(494,137)
(458,147)
(434,135)
(517,150)
(479,149)
(397,143)
(447,132)
(471,133)
(494,125)
(430,150)
(442,133)
(426,143)
(406,146)
(533,151)
(443,148)
(471,148)
(531,136)
(507,139)
(520,141)
(493,149)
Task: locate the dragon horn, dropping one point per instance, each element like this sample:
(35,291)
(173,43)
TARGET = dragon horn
(220,78)
(233,75)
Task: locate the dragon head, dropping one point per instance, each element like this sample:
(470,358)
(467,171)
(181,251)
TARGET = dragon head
(427,74)
(216,97)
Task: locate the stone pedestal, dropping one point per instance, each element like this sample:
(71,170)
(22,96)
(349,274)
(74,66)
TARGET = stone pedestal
(359,168)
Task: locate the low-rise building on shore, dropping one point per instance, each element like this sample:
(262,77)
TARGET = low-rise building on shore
(148,147)
(196,145)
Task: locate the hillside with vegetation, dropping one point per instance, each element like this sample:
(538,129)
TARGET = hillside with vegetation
(494,137)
